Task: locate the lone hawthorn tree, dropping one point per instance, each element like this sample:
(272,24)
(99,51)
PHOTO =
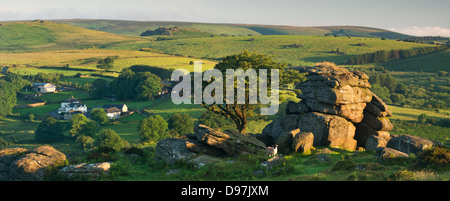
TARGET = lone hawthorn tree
(242,114)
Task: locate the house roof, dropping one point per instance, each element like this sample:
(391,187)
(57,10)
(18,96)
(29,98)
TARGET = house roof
(119,106)
(71,99)
(43,84)
(39,84)
(112,110)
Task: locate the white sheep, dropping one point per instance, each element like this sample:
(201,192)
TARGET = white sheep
(272,151)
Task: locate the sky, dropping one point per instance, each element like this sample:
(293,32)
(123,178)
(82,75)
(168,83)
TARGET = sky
(414,17)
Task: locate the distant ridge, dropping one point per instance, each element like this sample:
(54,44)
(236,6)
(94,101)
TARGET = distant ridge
(135,28)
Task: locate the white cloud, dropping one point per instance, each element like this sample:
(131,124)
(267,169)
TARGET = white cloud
(423,31)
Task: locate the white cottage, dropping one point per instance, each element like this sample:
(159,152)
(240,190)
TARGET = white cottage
(70,105)
(44,87)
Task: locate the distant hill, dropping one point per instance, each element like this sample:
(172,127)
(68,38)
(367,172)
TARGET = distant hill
(135,28)
(176,31)
(41,35)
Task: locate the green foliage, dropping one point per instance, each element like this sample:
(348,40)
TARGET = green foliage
(136,86)
(106,64)
(437,156)
(181,123)
(49,130)
(99,115)
(153,128)
(402,175)
(214,120)
(148,85)
(8,97)
(79,125)
(47,77)
(99,88)
(384,55)
(422,118)
(85,141)
(109,141)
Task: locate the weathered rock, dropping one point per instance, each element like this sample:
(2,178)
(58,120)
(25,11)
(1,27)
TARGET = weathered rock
(230,142)
(284,123)
(83,170)
(171,150)
(410,144)
(364,131)
(330,130)
(200,148)
(385,153)
(335,96)
(24,165)
(203,160)
(373,142)
(352,112)
(377,107)
(302,142)
(296,108)
(284,142)
(377,123)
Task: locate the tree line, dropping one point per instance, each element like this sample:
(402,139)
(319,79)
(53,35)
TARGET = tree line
(388,55)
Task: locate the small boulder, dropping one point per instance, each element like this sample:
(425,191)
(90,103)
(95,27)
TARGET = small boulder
(385,153)
(83,170)
(229,142)
(410,144)
(171,150)
(303,142)
(285,140)
(373,142)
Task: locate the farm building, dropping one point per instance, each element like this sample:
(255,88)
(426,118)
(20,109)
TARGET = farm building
(44,87)
(113,113)
(72,104)
(121,107)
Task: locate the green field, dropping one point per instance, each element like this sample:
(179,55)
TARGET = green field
(427,63)
(315,48)
(44,35)
(135,28)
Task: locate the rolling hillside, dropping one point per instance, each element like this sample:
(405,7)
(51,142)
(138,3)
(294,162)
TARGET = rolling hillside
(44,35)
(296,50)
(135,28)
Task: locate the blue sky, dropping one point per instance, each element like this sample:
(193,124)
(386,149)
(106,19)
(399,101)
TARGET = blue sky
(408,16)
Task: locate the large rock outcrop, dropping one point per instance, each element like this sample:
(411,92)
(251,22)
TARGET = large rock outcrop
(207,142)
(337,107)
(18,164)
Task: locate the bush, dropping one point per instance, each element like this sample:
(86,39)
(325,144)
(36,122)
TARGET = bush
(153,128)
(109,141)
(181,123)
(99,115)
(422,118)
(49,130)
(402,175)
(438,156)
(213,120)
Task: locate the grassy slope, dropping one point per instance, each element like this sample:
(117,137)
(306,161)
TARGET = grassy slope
(36,36)
(135,28)
(316,48)
(428,63)
(78,60)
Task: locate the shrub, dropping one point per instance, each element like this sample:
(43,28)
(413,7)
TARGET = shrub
(109,141)
(402,175)
(99,115)
(182,123)
(49,130)
(437,156)
(153,128)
